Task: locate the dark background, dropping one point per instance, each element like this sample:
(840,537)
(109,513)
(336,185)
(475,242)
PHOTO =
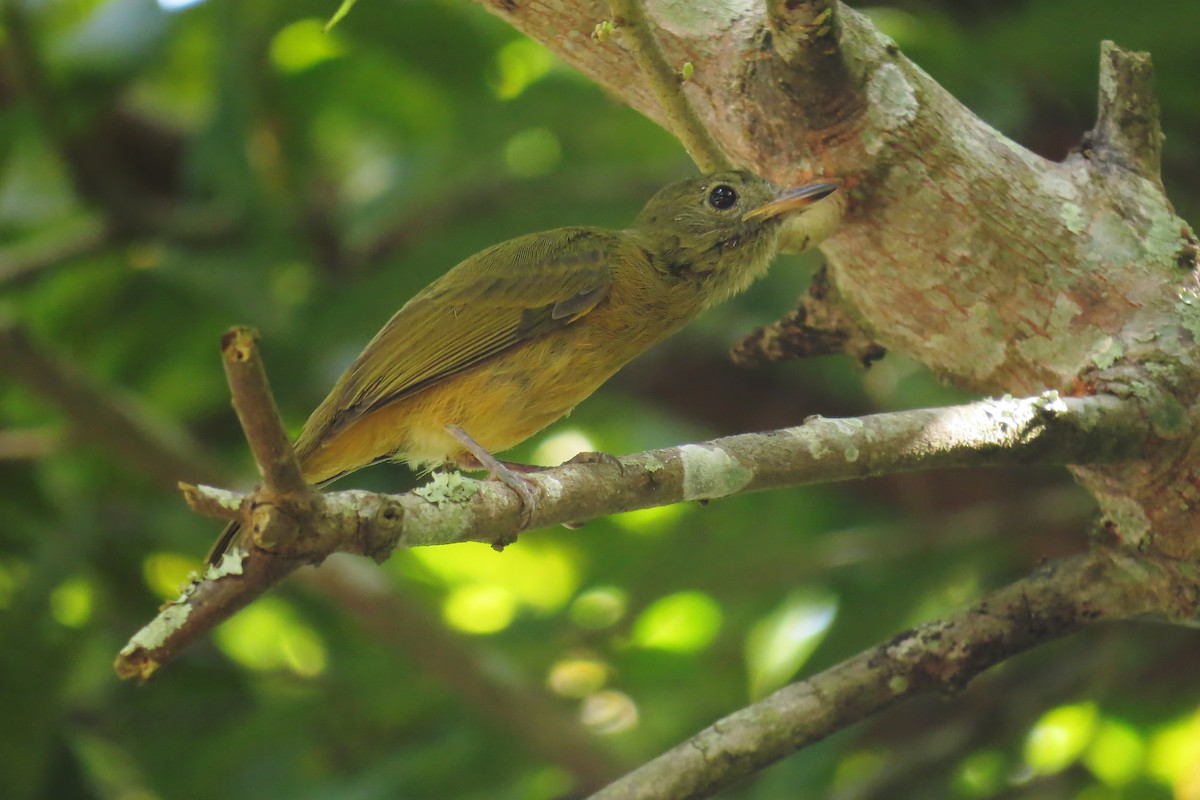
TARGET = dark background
(164,176)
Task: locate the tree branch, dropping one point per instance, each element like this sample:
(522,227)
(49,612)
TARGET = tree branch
(1128,131)
(941,656)
(806,34)
(121,426)
(1000,271)
(258,415)
(287,530)
(665,82)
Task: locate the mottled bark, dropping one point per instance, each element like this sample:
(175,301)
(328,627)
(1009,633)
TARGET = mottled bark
(1000,270)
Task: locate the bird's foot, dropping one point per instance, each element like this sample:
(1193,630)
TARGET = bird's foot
(504,472)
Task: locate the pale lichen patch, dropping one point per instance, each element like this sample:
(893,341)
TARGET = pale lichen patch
(155,634)
(891,104)
(1065,309)
(1188,310)
(691,18)
(973,342)
(426,523)
(710,471)
(552,488)
(447,487)
(230,564)
(1109,351)
(1063,354)
(1050,402)
(1053,183)
(1128,517)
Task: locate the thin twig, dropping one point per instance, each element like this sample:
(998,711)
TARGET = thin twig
(682,119)
(1053,602)
(256,411)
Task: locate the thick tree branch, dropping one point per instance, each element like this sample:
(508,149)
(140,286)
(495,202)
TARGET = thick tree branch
(287,530)
(806,34)
(941,656)
(999,270)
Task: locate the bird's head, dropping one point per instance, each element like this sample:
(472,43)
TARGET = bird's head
(722,229)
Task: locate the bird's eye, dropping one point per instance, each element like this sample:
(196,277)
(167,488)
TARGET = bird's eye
(722,197)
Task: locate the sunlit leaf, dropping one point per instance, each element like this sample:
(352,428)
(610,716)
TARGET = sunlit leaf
(779,644)
(1059,737)
(71,602)
(683,623)
(480,608)
(269,636)
(340,14)
(1116,754)
(599,607)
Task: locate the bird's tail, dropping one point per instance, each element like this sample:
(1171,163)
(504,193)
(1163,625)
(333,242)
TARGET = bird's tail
(223,543)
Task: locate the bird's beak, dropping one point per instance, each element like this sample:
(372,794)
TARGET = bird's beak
(790,200)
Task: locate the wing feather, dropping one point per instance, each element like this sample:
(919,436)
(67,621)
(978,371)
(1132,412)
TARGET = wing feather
(499,298)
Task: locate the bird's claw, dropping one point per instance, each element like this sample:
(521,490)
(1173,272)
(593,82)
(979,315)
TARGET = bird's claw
(499,471)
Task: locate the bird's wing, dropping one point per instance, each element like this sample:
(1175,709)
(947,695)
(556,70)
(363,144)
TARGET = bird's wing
(505,295)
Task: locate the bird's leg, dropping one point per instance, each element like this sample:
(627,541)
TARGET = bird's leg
(499,471)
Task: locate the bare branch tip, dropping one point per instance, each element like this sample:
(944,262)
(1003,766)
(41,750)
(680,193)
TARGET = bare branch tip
(211,502)
(1128,127)
(135,665)
(239,343)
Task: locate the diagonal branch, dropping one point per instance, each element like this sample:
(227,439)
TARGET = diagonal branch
(1054,601)
(681,119)
(287,530)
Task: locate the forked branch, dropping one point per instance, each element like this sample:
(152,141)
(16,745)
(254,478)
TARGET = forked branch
(292,525)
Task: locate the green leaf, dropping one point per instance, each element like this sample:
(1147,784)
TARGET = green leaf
(338,15)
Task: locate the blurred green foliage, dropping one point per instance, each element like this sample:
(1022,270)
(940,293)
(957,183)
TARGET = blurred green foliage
(164,175)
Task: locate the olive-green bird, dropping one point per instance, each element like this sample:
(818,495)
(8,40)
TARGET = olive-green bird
(517,335)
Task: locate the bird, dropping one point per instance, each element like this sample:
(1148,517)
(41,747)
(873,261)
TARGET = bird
(517,335)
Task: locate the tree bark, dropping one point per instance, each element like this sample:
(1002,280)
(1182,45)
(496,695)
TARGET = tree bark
(1000,270)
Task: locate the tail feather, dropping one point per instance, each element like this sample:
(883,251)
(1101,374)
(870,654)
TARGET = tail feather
(223,543)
